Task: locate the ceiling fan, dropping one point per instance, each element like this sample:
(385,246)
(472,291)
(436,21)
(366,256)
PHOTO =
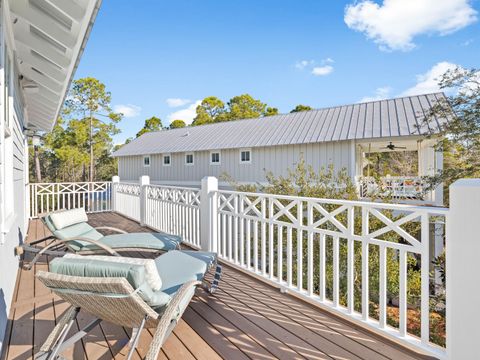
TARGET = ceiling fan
(392,147)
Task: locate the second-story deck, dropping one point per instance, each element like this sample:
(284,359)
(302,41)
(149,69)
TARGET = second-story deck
(244,319)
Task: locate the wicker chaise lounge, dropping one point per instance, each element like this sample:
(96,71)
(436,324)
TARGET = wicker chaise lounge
(70,229)
(125,294)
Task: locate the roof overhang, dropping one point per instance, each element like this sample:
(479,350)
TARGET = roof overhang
(48,38)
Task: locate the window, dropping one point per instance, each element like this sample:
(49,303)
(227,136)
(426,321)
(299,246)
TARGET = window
(167,161)
(188,159)
(245,156)
(146,161)
(215,158)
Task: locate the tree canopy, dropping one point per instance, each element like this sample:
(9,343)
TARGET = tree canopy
(151,124)
(301,107)
(212,109)
(177,124)
(79,146)
(461,134)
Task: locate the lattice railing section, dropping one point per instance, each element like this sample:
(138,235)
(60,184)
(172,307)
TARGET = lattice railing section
(174,210)
(371,261)
(395,187)
(127,199)
(48,197)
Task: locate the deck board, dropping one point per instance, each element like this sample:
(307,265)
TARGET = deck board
(245,319)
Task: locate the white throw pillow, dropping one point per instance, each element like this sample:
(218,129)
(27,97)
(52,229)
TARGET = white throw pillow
(151,274)
(65,218)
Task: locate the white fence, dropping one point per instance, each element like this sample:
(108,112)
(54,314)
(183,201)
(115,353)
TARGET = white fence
(320,248)
(48,197)
(354,257)
(370,262)
(126,199)
(174,210)
(395,187)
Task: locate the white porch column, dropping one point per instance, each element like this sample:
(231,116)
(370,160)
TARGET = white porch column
(144,182)
(462,265)
(115,181)
(208,214)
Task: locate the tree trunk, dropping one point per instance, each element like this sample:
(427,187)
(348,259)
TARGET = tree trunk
(91,147)
(38,170)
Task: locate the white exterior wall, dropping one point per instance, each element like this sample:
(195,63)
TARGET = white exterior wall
(277,159)
(13,181)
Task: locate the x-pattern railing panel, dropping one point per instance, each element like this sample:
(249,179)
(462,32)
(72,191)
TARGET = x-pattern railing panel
(48,197)
(277,236)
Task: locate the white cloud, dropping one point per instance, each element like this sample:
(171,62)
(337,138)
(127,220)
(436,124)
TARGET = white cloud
(395,23)
(381,93)
(428,82)
(322,70)
(128,110)
(187,114)
(177,102)
(302,64)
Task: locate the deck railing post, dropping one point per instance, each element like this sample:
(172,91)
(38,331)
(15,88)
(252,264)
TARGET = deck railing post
(208,214)
(113,196)
(144,182)
(462,257)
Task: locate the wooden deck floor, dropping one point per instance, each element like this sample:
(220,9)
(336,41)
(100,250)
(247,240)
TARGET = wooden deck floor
(245,319)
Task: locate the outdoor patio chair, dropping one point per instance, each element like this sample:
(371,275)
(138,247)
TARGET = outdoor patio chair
(133,293)
(70,228)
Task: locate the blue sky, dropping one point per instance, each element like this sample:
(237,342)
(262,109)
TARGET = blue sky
(318,53)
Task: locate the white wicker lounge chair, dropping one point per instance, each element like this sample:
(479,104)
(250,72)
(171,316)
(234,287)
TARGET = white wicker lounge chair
(115,300)
(70,230)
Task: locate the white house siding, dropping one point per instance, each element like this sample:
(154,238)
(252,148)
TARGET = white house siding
(277,159)
(13,227)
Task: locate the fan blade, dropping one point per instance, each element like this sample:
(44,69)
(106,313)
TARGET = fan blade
(400,147)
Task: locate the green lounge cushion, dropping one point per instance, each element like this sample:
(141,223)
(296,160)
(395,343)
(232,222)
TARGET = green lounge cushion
(78,230)
(144,240)
(177,267)
(135,275)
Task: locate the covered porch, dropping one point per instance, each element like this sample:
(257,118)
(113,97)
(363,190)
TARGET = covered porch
(245,319)
(396,168)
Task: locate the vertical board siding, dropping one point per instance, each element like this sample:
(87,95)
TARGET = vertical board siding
(277,159)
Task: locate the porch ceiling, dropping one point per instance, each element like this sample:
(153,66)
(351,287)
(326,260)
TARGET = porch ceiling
(380,145)
(48,39)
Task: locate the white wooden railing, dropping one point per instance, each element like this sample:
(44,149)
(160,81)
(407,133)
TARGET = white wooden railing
(174,210)
(311,246)
(126,199)
(315,248)
(335,253)
(395,187)
(48,197)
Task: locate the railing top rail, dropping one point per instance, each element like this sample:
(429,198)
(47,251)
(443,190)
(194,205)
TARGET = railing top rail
(377,205)
(69,182)
(175,187)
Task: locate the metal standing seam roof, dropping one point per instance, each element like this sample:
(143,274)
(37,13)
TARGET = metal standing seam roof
(376,119)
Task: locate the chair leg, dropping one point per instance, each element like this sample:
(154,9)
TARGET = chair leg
(59,329)
(211,288)
(135,336)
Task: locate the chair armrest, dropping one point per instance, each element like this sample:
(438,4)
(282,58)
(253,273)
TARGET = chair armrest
(164,326)
(108,249)
(111,229)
